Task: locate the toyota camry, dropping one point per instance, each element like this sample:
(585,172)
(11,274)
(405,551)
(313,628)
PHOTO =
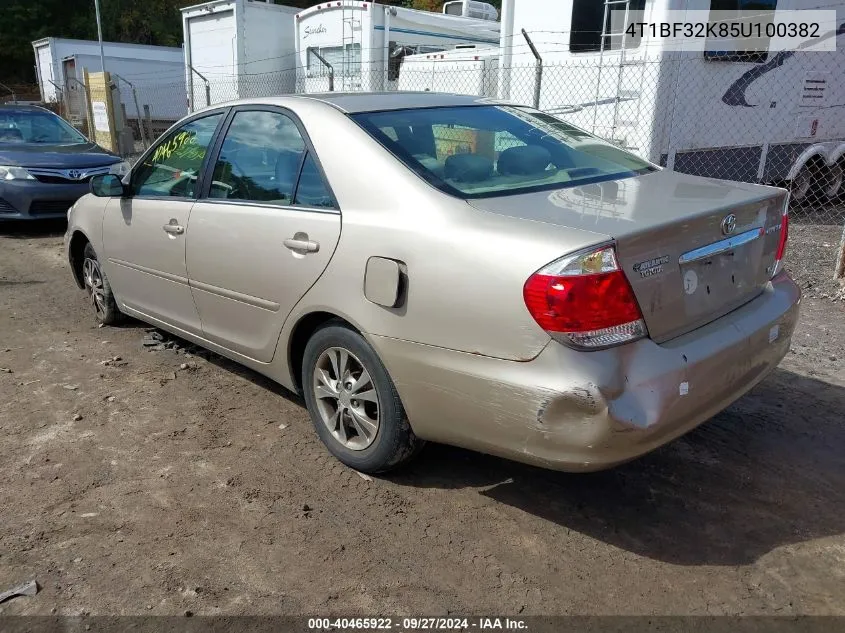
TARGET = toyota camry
(429,267)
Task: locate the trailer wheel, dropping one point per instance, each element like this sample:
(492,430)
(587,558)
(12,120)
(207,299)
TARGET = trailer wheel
(835,177)
(801,185)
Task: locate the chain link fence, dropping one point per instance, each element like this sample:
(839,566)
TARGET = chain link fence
(780,121)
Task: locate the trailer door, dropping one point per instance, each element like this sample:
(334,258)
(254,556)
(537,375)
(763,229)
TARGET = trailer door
(45,73)
(213,39)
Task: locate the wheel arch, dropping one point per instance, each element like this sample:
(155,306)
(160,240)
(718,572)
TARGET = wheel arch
(814,154)
(836,155)
(75,250)
(305,326)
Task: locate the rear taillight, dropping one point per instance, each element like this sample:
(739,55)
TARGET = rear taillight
(784,235)
(585,301)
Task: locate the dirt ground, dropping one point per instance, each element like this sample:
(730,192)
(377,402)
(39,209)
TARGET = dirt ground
(140,487)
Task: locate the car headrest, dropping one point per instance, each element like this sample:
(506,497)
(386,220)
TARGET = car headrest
(524,160)
(10,134)
(468,168)
(287,168)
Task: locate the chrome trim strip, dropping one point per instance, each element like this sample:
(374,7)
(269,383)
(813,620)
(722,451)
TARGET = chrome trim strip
(268,205)
(255,302)
(722,246)
(150,271)
(84,172)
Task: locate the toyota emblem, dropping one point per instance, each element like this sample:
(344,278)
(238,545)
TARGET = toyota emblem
(728,224)
(75,174)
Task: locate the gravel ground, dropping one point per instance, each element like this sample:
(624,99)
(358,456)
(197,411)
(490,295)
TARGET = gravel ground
(162,482)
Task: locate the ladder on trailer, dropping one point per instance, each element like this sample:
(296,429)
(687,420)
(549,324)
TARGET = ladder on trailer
(606,42)
(349,68)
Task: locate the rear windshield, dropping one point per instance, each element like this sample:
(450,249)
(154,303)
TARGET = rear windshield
(484,151)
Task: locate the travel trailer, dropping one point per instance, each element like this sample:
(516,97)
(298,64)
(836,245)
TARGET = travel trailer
(466,69)
(354,45)
(471,9)
(778,117)
(238,48)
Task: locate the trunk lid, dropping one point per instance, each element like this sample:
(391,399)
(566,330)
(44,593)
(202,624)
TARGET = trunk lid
(692,248)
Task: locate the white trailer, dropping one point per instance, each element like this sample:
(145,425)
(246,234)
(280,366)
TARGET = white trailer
(238,48)
(466,69)
(59,65)
(356,45)
(775,119)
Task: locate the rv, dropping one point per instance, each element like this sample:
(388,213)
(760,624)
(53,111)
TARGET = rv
(466,69)
(776,117)
(236,49)
(354,45)
(59,65)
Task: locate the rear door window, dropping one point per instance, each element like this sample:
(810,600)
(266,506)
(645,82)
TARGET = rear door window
(260,159)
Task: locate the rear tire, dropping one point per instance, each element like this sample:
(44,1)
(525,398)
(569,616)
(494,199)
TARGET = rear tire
(98,289)
(801,185)
(353,403)
(834,179)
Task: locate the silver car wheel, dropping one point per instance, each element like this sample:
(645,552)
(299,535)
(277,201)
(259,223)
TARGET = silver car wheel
(93,278)
(346,398)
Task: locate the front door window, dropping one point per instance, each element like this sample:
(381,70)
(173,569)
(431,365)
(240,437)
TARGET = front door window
(171,169)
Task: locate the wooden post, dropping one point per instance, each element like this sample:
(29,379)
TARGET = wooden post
(840,260)
(89,115)
(101,108)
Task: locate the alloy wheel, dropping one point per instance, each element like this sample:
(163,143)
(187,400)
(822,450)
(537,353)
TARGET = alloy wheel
(93,278)
(346,398)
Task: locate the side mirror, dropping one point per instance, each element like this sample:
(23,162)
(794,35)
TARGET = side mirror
(106,186)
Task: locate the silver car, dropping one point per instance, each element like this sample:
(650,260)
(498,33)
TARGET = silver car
(446,268)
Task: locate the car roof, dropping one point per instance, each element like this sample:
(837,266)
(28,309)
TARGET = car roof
(353,102)
(20,107)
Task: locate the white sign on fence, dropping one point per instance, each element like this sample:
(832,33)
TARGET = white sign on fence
(101,116)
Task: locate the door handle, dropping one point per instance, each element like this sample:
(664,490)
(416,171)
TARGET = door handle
(173,229)
(303,245)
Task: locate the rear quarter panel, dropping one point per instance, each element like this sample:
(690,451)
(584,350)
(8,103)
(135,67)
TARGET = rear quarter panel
(465,268)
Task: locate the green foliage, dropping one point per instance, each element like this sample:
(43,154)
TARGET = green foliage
(149,22)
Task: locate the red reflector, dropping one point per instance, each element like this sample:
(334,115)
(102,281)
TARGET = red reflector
(580,303)
(784,235)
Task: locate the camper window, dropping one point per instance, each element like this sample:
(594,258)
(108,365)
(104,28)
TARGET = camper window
(343,65)
(587,27)
(758,56)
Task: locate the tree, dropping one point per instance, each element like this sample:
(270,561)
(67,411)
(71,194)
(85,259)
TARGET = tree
(427,5)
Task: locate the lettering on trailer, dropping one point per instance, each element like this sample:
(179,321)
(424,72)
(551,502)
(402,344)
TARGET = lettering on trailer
(735,94)
(314,30)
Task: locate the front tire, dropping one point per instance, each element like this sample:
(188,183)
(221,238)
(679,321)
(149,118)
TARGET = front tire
(98,289)
(353,403)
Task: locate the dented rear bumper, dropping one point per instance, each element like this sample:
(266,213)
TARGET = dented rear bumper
(581,411)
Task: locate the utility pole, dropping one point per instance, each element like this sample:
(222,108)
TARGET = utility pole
(100,36)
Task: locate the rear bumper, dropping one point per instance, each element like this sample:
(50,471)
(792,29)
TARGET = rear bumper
(582,411)
(33,200)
